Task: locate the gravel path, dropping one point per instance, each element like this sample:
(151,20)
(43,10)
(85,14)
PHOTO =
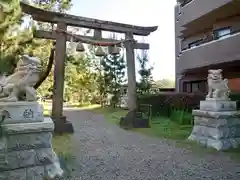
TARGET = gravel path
(106,152)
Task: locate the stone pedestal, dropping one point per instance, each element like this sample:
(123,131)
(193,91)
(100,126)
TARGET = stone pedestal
(26,151)
(217,124)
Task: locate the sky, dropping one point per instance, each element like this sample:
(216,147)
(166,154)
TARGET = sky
(142,13)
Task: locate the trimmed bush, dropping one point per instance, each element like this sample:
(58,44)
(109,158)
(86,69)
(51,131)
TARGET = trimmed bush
(163,103)
(181,117)
(236,97)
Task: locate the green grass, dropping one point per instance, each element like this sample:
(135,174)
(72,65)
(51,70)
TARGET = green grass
(164,128)
(63,146)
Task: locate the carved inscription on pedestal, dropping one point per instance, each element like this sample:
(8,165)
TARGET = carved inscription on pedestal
(28,113)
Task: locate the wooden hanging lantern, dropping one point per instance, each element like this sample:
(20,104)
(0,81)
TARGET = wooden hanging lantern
(80,47)
(113,50)
(99,52)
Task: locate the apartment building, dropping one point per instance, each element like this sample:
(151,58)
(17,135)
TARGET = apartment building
(207,35)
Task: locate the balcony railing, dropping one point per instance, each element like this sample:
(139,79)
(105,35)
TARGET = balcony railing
(215,52)
(184,2)
(211,38)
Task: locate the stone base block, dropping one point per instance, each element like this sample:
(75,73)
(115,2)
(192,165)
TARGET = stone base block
(26,151)
(220,144)
(216,133)
(62,125)
(218,105)
(216,115)
(217,122)
(219,130)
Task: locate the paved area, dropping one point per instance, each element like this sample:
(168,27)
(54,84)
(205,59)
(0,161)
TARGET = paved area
(106,152)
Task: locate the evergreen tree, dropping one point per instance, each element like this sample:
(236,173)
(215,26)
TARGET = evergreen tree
(114,75)
(145,73)
(13,41)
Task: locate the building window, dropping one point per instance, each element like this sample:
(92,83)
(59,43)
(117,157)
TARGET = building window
(222,33)
(195,86)
(187,87)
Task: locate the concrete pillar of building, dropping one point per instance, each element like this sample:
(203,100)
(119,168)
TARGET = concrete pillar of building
(179,83)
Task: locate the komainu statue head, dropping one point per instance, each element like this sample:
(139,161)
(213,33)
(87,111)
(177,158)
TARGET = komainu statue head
(27,62)
(22,81)
(217,86)
(215,75)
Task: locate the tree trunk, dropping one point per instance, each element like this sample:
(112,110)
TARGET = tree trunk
(48,70)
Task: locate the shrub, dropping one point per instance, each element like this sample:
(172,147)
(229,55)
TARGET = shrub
(181,117)
(163,103)
(169,103)
(236,97)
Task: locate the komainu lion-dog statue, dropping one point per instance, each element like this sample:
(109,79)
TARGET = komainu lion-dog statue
(217,86)
(19,86)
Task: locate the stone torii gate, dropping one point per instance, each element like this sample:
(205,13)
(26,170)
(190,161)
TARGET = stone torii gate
(61,36)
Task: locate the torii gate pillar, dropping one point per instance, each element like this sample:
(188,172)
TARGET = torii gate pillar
(61,124)
(131,91)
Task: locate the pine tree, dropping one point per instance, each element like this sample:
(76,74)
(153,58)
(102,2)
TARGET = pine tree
(11,44)
(145,73)
(114,75)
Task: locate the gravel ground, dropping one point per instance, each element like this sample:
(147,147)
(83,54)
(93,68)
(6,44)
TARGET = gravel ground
(105,152)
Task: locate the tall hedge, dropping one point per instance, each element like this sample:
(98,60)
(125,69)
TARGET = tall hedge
(165,102)
(236,97)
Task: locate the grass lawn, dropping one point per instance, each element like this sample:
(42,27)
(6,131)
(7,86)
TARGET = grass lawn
(165,128)
(63,146)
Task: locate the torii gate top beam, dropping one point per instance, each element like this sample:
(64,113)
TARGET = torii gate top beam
(55,17)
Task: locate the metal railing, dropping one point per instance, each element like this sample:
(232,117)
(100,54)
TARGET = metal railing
(212,38)
(184,2)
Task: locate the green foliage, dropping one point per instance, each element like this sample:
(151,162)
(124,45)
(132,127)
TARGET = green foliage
(54,5)
(11,45)
(15,40)
(181,117)
(80,84)
(236,97)
(162,104)
(64,153)
(163,127)
(113,74)
(145,73)
(176,106)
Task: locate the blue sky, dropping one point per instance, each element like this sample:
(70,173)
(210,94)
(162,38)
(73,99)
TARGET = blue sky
(143,13)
